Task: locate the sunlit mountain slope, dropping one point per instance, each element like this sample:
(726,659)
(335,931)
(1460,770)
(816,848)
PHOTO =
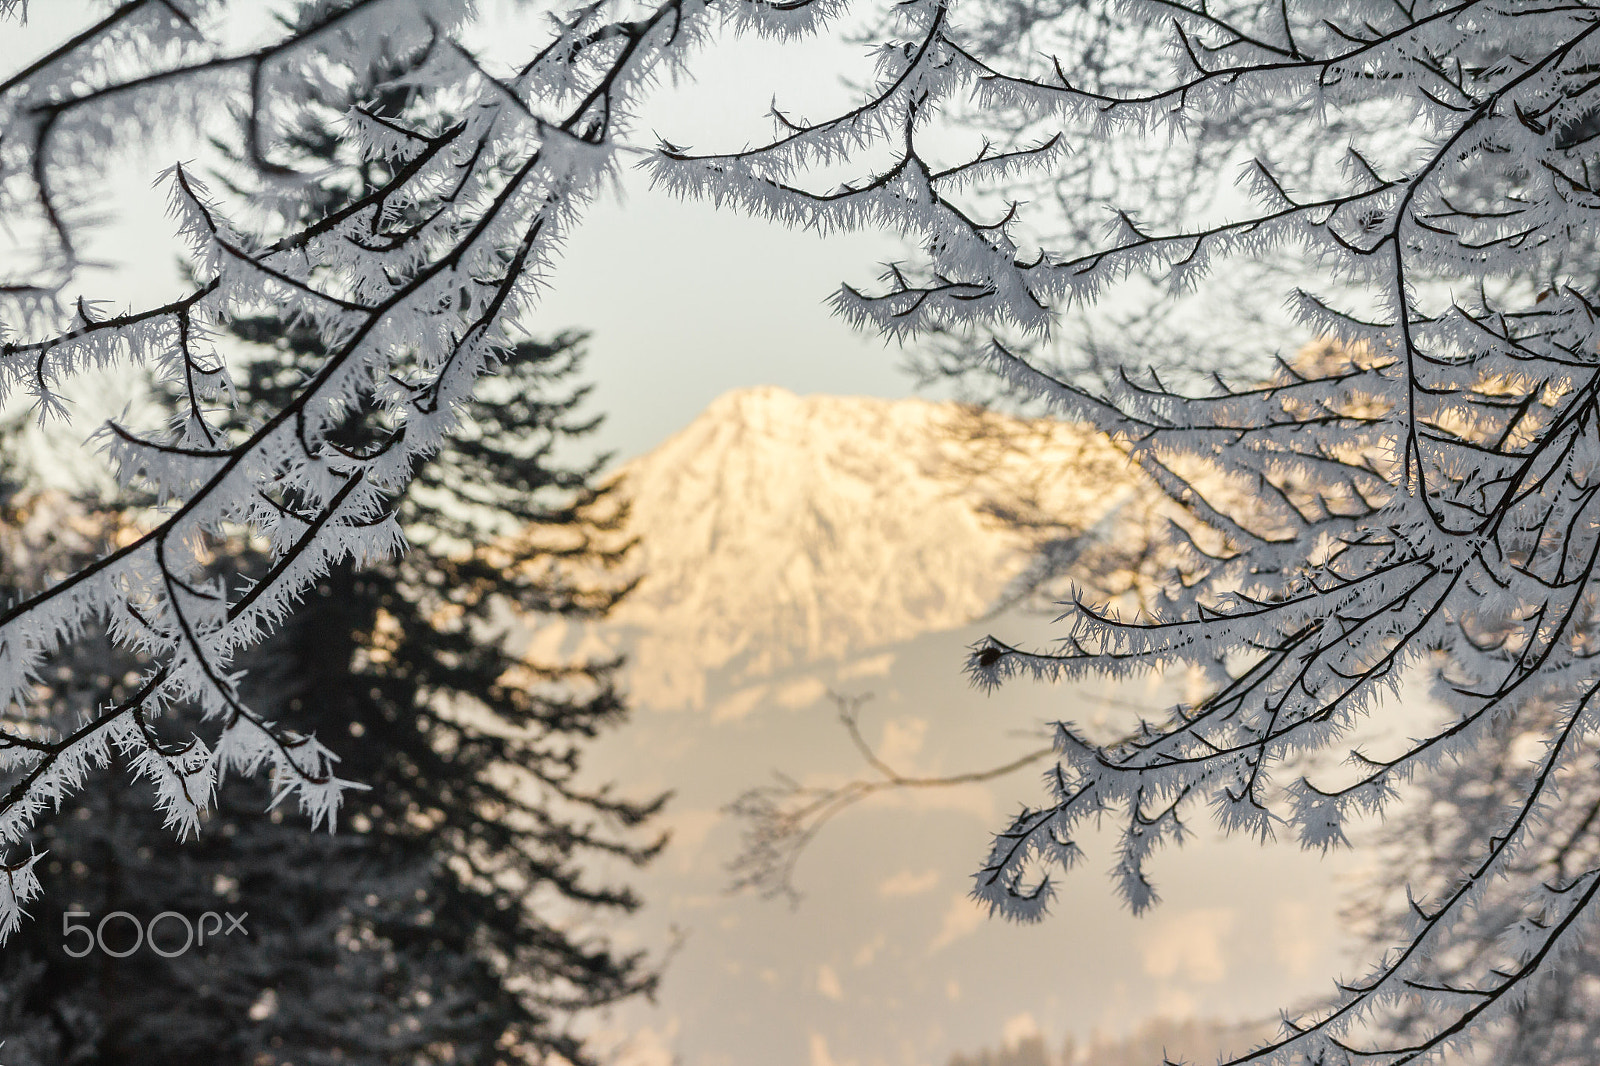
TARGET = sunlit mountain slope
(778,529)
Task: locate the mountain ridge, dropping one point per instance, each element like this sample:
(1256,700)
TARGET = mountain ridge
(778,529)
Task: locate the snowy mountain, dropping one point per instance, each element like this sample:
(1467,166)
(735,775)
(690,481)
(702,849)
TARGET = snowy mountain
(795,545)
(778,529)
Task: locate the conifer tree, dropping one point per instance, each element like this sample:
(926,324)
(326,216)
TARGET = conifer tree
(452,917)
(445,921)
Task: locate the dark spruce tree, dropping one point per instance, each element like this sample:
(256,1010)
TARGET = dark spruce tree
(458,915)
(451,918)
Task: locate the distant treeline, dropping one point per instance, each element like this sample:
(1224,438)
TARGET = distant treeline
(1195,1041)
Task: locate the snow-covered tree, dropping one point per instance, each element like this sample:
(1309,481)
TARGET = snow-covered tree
(1422,496)
(455,915)
(408,286)
(1435,836)
(1412,493)
(454,919)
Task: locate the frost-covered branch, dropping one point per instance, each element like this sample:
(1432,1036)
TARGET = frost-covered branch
(1416,490)
(782,819)
(469,182)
